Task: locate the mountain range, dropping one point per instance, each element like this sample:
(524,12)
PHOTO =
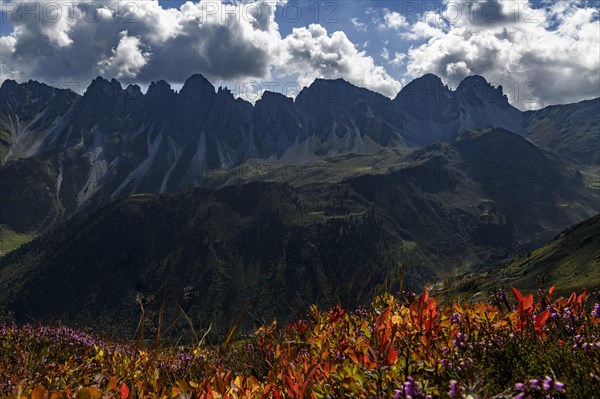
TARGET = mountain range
(216,204)
(83,151)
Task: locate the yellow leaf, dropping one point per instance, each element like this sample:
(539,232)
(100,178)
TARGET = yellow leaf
(182,385)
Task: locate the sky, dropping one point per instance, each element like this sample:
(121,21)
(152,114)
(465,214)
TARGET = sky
(542,52)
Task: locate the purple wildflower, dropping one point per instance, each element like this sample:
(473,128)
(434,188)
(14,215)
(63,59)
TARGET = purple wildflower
(453,389)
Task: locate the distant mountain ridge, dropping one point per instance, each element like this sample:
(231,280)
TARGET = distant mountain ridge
(84,151)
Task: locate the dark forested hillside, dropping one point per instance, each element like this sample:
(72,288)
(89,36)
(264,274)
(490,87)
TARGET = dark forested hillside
(275,247)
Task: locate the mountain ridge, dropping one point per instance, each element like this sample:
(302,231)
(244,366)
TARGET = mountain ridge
(114,141)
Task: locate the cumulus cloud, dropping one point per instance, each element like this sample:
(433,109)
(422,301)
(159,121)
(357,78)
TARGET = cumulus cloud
(541,56)
(392,20)
(319,54)
(127,59)
(139,40)
(422,30)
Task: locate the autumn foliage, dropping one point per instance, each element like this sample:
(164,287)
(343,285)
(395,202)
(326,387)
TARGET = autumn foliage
(400,346)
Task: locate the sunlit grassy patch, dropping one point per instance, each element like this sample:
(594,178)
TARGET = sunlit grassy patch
(11,240)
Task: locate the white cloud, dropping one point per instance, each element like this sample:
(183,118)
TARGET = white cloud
(398,60)
(140,41)
(540,56)
(79,40)
(359,26)
(313,53)
(7,48)
(392,20)
(422,30)
(556,48)
(127,59)
(385,54)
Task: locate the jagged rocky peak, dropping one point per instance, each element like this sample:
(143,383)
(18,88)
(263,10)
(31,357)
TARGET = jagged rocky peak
(197,87)
(428,98)
(224,90)
(134,89)
(133,94)
(273,98)
(328,91)
(101,83)
(28,98)
(475,90)
(159,88)
(33,87)
(225,95)
(101,90)
(427,88)
(8,85)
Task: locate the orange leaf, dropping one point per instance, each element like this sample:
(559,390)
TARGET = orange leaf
(517,294)
(124,391)
(551,290)
(424,297)
(266,392)
(583,297)
(175,392)
(527,301)
(352,357)
(541,319)
(38,393)
(392,356)
(112,384)
(383,316)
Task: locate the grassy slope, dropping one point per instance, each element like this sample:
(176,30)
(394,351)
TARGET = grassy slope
(571,261)
(28,202)
(11,240)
